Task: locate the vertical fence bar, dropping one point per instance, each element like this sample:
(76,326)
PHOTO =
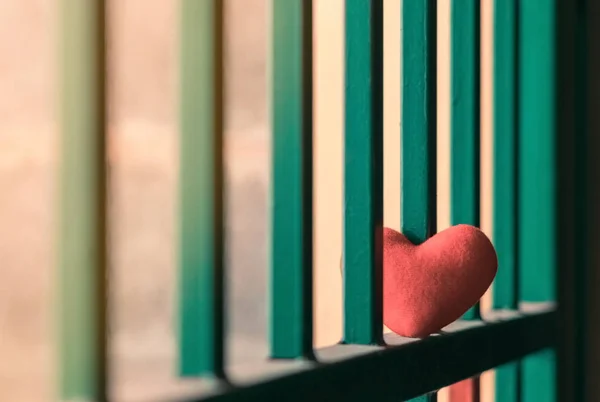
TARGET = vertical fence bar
(465,138)
(465,116)
(82,250)
(201,340)
(537,137)
(419,121)
(419,114)
(538,179)
(505,236)
(363,175)
(291,304)
(505,152)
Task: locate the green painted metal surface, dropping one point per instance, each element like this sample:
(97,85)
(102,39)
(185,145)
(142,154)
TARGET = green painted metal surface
(538,177)
(363,174)
(82,244)
(418,146)
(465,116)
(537,159)
(505,153)
(508,382)
(539,377)
(419,112)
(201,190)
(291,285)
(505,237)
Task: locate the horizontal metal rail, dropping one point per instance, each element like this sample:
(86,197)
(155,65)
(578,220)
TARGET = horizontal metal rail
(403,369)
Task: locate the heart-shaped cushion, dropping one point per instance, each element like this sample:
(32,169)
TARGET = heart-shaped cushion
(428,286)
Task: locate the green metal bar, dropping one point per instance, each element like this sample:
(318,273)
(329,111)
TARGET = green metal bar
(505,295)
(538,178)
(418,181)
(508,382)
(82,249)
(505,152)
(201,190)
(537,160)
(363,176)
(291,304)
(419,116)
(539,377)
(465,116)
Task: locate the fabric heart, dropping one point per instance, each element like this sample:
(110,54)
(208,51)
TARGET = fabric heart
(428,286)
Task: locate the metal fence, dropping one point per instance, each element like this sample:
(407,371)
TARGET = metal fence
(538,85)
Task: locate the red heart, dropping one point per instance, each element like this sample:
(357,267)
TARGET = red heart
(428,286)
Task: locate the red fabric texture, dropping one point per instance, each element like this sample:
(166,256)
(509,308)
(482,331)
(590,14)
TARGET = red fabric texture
(428,286)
